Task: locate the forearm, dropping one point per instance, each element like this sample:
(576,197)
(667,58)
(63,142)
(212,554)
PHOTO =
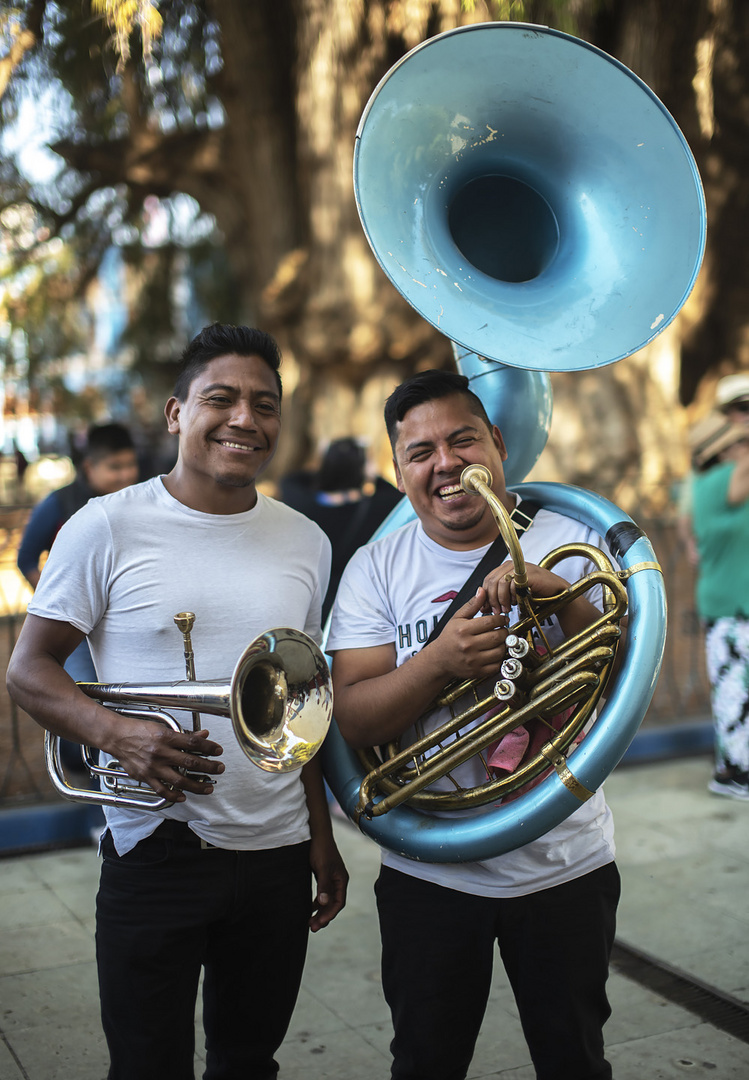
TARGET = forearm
(326,863)
(38,683)
(150,752)
(380,708)
(44,690)
(32,575)
(317,803)
(577,616)
(738,487)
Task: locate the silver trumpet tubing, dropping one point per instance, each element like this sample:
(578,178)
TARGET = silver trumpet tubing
(279,698)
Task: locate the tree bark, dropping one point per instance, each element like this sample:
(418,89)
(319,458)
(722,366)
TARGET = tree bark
(296,77)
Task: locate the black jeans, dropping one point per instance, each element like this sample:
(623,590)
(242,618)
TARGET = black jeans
(168,908)
(437,958)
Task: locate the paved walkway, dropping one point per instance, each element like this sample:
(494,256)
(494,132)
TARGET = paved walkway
(684,859)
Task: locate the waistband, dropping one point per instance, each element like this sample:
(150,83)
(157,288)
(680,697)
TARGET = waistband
(181,833)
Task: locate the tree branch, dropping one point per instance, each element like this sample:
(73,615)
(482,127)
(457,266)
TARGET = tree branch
(22,41)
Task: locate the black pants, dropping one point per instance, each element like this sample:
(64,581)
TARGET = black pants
(437,958)
(170,907)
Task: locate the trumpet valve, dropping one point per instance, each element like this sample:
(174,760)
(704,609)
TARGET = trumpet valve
(505,690)
(511,668)
(517,646)
(519,649)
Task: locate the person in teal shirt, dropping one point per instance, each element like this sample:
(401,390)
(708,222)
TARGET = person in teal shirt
(720,500)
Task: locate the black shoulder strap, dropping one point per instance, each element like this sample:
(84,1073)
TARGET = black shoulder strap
(522,518)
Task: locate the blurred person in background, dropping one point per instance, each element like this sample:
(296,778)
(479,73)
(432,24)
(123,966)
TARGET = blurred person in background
(720,517)
(343,502)
(109,463)
(732,400)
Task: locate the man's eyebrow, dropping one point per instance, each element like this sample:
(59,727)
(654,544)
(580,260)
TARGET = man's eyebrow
(417,445)
(217,386)
(453,435)
(229,389)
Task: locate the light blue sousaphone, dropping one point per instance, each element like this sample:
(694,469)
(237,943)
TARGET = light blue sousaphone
(534,200)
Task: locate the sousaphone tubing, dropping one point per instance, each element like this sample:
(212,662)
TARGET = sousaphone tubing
(536,202)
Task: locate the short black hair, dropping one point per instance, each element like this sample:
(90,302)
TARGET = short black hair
(105,439)
(428,386)
(342,466)
(222,339)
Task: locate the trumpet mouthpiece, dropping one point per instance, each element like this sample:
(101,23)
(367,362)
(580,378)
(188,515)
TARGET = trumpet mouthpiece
(184,621)
(473,475)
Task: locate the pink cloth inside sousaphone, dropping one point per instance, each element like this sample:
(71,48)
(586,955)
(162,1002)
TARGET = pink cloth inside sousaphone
(521,745)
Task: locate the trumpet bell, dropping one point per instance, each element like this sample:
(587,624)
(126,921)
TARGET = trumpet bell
(529,196)
(281,700)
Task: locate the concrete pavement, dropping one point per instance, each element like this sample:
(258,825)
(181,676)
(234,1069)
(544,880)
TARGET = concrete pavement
(684,859)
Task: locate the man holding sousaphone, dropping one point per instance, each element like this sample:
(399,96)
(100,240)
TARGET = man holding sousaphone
(215,871)
(551,904)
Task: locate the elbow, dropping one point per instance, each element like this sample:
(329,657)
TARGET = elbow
(12,682)
(352,733)
(358,742)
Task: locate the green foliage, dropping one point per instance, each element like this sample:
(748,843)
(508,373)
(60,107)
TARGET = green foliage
(561,15)
(122,17)
(101,108)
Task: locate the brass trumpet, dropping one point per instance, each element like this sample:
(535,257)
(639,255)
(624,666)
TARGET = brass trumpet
(279,698)
(536,683)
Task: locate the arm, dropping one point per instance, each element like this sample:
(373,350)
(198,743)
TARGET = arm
(32,575)
(738,487)
(37,537)
(377,701)
(686,537)
(327,865)
(147,751)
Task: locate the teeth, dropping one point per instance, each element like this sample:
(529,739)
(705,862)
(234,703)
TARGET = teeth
(235,445)
(448,492)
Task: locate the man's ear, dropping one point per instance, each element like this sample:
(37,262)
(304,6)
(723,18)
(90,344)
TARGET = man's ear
(171,412)
(398,478)
(499,442)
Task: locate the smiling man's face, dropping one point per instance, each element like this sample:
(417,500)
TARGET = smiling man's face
(228,429)
(436,441)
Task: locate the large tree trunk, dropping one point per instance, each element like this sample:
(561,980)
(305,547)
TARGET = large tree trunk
(697,61)
(278,178)
(347,333)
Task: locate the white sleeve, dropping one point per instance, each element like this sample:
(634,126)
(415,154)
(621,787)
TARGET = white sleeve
(74,586)
(362,615)
(312,626)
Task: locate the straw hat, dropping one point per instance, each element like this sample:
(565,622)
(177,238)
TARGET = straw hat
(731,388)
(711,436)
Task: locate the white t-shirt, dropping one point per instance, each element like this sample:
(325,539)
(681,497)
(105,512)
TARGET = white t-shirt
(126,564)
(395,590)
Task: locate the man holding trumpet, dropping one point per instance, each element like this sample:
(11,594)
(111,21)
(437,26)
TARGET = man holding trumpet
(220,879)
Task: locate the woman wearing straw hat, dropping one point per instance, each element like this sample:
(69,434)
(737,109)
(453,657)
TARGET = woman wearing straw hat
(720,494)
